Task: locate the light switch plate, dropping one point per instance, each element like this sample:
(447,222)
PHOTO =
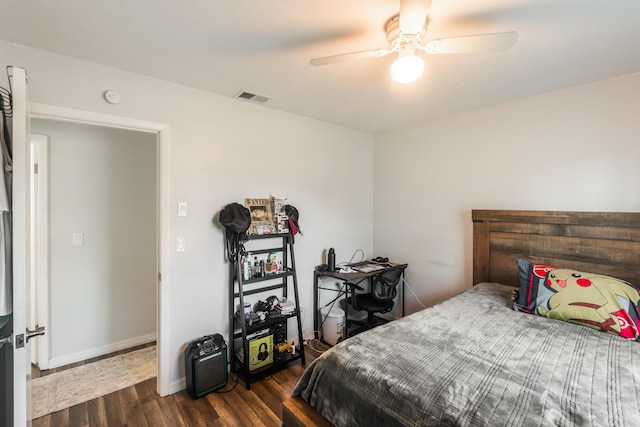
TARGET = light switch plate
(180,244)
(182,208)
(77,239)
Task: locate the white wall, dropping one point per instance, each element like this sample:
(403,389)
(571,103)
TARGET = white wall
(103,185)
(575,149)
(223,150)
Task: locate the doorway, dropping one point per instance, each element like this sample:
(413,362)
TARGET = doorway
(77,239)
(101,226)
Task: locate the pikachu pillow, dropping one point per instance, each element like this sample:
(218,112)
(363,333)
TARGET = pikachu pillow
(593,300)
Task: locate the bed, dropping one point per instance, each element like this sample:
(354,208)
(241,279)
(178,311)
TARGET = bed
(474,360)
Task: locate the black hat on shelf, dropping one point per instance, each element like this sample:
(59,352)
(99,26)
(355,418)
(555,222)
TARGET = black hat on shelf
(236,220)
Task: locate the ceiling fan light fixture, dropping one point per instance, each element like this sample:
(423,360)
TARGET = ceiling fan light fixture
(407,68)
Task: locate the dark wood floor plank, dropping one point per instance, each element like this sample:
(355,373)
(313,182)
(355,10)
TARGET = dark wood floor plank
(179,396)
(287,379)
(153,414)
(171,414)
(259,412)
(62,418)
(78,415)
(169,407)
(276,388)
(257,406)
(296,370)
(199,413)
(264,388)
(136,416)
(227,417)
(42,422)
(115,414)
(96,413)
(146,390)
(232,409)
(129,401)
(170,410)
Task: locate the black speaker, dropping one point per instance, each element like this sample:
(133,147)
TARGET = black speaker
(279,331)
(206,365)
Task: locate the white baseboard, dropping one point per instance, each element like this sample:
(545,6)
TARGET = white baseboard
(100,351)
(178,385)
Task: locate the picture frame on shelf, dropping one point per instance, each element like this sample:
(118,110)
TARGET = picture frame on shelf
(280,218)
(261,216)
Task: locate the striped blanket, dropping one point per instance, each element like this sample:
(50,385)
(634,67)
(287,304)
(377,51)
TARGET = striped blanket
(473,361)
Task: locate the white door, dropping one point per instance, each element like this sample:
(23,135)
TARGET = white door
(21,256)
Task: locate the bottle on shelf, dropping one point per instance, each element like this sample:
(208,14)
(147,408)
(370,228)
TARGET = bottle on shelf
(246,267)
(331,259)
(268,266)
(249,265)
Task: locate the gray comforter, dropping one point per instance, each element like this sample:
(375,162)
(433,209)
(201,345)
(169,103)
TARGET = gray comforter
(472,361)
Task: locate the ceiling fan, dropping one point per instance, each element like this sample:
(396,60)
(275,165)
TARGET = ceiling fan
(406,34)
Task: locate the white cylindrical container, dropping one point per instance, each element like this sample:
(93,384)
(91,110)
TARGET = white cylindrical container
(245,265)
(332,325)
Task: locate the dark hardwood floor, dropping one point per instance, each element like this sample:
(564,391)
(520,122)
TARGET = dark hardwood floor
(232,405)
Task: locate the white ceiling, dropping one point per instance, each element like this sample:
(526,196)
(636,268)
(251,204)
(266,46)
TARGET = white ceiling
(264,47)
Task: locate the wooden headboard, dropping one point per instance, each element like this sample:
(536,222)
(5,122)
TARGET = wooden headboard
(598,242)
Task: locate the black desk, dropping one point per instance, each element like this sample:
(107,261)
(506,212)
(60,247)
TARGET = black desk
(349,278)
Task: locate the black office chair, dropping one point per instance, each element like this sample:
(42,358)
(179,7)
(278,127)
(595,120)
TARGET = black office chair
(384,288)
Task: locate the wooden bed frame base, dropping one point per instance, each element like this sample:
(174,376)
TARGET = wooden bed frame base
(298,413)
(603,242)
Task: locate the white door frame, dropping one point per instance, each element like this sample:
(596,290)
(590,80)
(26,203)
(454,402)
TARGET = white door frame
(40,248)
(49,112)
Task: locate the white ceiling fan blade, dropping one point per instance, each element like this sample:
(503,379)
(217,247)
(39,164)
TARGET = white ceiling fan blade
(325,60)
(413,14)
(495,42)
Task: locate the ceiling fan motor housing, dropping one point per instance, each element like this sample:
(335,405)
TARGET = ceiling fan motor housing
(399,41)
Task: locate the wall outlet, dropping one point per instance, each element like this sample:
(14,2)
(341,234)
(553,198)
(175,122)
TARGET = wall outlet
(77,239)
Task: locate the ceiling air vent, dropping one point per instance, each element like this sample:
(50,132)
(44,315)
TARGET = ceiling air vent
(253,97)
